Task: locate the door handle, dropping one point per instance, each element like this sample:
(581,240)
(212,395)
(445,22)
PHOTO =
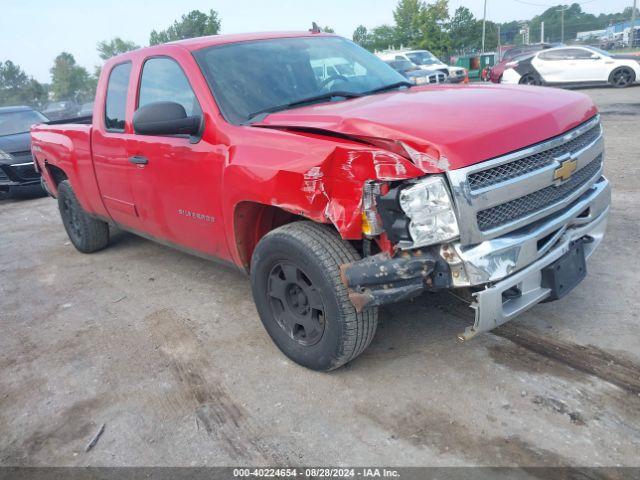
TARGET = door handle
(138,160)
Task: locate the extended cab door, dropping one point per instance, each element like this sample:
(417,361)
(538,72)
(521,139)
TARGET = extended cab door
(110,134)
(176,188)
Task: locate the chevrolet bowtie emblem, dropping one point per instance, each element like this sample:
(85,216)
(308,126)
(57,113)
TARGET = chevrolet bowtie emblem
(565,170)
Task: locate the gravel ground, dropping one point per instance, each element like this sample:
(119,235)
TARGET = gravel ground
(168,352)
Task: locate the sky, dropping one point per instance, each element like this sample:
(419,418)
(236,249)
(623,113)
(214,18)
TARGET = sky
(34,32)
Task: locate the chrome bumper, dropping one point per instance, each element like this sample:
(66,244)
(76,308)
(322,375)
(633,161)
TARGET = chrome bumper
(517,259)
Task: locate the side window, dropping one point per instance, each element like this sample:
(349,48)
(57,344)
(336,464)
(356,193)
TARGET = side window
(116,103)
(164,81)
(553,55)
(579,54)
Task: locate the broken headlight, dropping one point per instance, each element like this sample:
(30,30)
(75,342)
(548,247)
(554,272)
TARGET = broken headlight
(430,210)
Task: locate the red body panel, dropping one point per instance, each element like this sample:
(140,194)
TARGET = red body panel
(497,70)
(204,196)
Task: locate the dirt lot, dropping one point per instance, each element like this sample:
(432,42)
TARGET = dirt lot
(167,350)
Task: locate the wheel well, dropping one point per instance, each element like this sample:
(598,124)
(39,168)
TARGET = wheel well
(56,173)
(252,221)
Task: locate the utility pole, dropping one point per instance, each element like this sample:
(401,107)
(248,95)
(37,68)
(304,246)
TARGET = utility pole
(562,10)
(484,22)
(541,32)
(632,35)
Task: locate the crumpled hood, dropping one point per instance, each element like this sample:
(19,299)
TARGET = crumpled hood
(448,126)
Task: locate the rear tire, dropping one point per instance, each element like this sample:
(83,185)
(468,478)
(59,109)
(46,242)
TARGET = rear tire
(301,300)
(622,77)
(86,233)
(530,79)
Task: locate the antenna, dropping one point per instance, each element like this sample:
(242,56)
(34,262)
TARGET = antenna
(314,28)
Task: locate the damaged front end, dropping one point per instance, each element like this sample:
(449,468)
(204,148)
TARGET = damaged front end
(415,216)
(382,279)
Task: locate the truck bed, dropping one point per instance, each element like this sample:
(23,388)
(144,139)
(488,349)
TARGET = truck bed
(87,120)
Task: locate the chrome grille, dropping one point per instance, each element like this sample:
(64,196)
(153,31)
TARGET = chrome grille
(523,206)
(507,171)
(506,193)
(437,78)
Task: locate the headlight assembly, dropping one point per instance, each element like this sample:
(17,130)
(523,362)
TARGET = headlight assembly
(430,210)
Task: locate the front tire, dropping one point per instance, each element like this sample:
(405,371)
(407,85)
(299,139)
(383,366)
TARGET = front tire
(622,77)
(86,233)
(301,300)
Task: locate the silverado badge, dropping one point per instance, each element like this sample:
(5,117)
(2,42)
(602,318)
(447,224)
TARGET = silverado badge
(565,170)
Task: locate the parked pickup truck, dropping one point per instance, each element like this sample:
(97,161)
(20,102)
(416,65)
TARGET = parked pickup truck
(336,195)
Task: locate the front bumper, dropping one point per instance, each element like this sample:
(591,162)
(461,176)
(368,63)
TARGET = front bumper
(510,77)
(20,172)
(493,307)
(493,269)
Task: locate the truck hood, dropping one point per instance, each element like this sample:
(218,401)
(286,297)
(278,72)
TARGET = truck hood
(448,126)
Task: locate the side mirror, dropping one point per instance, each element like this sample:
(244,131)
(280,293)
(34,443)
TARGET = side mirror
(165,118)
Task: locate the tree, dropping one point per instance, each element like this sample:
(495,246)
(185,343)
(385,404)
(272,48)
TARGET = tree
(69,80)
(382,37)
(193,24)
(17,88)
(328,30)
(461,29)
(361,36)
(433,23)
(408,15)
(113,47)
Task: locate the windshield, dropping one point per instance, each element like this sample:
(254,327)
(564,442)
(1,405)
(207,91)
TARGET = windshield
(251,77)
(13,123)
(401,65)
(423,58)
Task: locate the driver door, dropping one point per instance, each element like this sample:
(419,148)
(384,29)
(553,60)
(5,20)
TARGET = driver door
(176,184)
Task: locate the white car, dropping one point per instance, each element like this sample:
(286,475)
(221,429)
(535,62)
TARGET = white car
(573,66)
(426,61)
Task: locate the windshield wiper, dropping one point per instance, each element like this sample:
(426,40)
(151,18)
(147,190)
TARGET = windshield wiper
(391,86)
(260,114)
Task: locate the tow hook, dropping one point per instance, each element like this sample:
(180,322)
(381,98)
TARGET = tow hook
(381,279)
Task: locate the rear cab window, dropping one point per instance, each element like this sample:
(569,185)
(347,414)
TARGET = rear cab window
(116,101)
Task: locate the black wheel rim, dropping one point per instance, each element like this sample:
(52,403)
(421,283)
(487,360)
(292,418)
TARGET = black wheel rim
(296,303)
(72,219)
(622,78)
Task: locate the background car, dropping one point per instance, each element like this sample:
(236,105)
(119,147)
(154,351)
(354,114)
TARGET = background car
(495,73)
(61,110)
(86,110)
(17,172)
(573,66)
(415,74)
(426,61)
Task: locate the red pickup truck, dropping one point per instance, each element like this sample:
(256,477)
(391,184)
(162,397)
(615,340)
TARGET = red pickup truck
(339,189)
